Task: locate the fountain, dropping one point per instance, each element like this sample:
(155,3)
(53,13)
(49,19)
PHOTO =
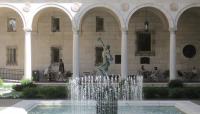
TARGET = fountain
(105,89)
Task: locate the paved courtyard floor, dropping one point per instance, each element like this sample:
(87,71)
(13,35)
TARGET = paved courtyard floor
(196,101)
(8,102)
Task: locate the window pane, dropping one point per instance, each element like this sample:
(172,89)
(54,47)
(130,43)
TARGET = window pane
(99,58)
(14,56)
(99,24)
(11,56)
(55,24)
(55,51)
(144,42)
(144,60)
(117,59)
(11,25)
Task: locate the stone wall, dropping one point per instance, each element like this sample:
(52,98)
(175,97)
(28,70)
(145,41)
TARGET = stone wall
(188,33)
(43,39)
(11,39)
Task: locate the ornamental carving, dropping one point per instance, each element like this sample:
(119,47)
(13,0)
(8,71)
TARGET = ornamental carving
(27,7)
(125,6)
(75,7)
(174,6)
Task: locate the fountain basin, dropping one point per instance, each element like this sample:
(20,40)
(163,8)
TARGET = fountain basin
(88,107)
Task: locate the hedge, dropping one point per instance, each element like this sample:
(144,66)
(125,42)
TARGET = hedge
(60,92)
(57,92)
(171,93)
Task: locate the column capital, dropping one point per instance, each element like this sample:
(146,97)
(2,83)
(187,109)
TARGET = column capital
(172,29)
(27,29)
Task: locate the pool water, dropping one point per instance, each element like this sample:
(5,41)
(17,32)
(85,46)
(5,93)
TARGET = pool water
(55,109)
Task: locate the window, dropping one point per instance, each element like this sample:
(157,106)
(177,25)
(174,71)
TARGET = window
(11,55)
(145,44)
(189,51)
(144,41)
(11,25)
(55,54)
(117,59)
(99,58)
(99,24)
(55,24)
(144,60)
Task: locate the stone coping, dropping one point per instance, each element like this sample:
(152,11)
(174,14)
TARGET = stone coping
(144,84)
(25,105)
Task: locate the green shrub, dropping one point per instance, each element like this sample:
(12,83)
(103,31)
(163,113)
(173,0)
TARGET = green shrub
(155,92)
(17,87)
(24,84)
(1,82)
(171,93)
(163,92)
(53,92)
(45,92)
(27,83)
(177,93)
(175,84)
(149,93)
(192,92)
(30,93)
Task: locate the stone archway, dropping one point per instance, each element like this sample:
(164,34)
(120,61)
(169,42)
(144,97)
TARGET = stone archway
(52,37)
(110,32)
(12,41)
(156,40)
(188,40)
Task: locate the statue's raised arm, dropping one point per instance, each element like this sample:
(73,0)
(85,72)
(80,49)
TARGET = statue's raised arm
(100,40)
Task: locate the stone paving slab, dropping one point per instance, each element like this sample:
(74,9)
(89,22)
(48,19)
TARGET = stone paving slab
(8,102)
(196,101)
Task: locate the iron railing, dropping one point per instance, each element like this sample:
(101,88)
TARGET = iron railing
(11,74)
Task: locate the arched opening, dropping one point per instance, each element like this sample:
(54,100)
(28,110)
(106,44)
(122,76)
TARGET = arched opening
(12,43)
(188,32)
(51,39)
(98,23)
(148,38)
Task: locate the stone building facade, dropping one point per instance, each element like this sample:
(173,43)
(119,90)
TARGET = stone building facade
(173,26)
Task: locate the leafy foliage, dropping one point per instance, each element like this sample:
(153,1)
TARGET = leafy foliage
(1,82)
(24,84)
(175,84)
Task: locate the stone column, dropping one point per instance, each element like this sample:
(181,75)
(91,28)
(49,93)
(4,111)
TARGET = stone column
(124,51)
(76,51)
(172,66)
(27,50)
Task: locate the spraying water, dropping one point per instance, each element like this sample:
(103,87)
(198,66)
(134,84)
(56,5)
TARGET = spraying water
(105,91)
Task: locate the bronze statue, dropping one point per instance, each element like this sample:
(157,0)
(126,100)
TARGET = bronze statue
(107,59)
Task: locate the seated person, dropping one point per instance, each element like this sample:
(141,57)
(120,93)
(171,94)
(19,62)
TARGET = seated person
(180,73)
(143,71)
(155,73)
